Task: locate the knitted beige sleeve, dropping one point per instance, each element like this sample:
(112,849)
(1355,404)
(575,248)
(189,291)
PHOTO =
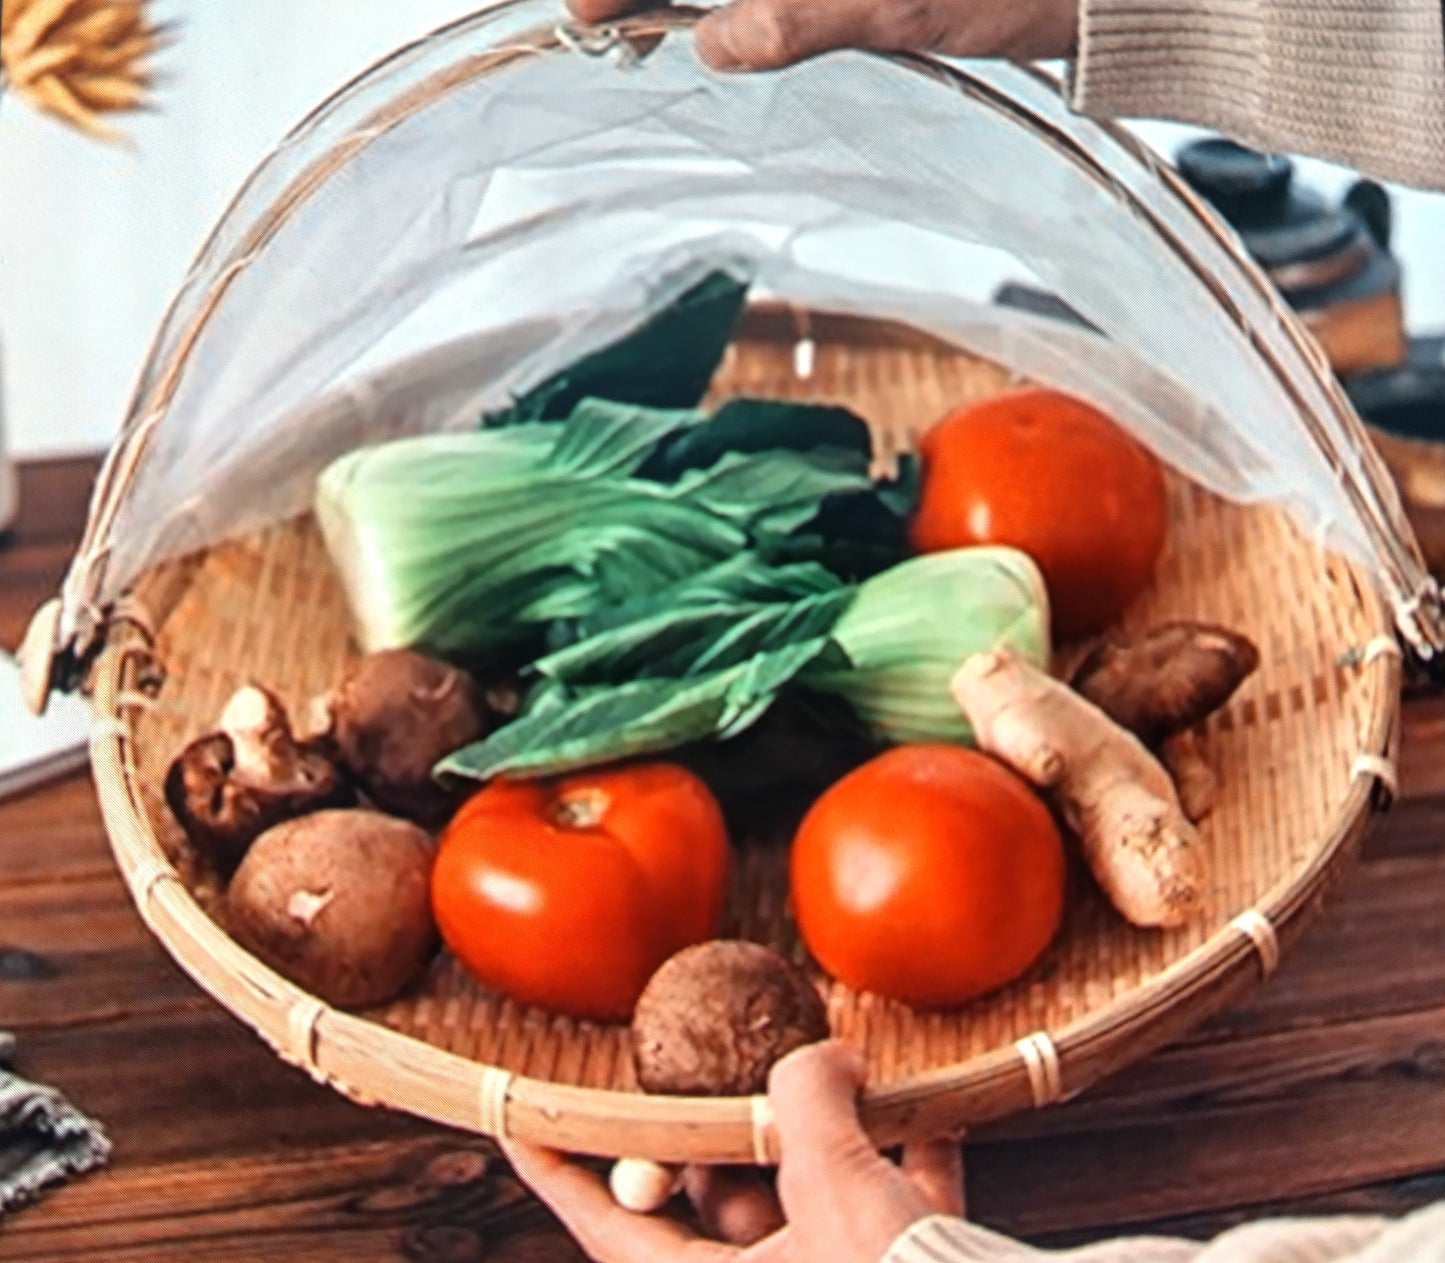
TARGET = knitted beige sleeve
(944,1239)
(1418,1238)
(1360,82)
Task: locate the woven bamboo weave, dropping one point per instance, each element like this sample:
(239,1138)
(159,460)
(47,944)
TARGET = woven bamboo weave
(1304,752)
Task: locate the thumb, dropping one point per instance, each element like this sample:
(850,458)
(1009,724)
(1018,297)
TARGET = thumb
(832,1180)
(770,34)
(813,1092)
(827,1157)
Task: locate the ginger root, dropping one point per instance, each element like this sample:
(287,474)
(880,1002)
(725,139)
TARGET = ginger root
(1161,685)
(1112,793)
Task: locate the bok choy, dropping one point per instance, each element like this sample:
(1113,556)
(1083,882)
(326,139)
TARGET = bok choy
(739,635)
(487,545)
(658,574)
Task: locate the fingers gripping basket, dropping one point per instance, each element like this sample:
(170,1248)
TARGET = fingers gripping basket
(493,201)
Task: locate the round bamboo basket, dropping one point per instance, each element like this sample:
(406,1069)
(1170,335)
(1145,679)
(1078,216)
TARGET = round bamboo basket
(1302,752)
(1305,752)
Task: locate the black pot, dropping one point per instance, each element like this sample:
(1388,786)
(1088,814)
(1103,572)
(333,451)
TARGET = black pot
(1315,253)
(1330,262)
(1409,401)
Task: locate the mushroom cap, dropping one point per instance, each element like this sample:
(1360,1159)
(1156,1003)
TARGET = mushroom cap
(339,902)
(396,715)
(714,1019)
(1168,679)
(223,812)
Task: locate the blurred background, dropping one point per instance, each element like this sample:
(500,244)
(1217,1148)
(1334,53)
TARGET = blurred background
(95,239)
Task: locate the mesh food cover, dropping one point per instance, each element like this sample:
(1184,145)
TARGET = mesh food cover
(513,191)
(492,204)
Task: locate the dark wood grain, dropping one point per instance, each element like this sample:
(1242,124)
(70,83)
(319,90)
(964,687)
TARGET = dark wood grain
(1325,1092)
(34,554)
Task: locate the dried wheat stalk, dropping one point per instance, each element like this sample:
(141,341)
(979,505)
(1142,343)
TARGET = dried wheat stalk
(79,59)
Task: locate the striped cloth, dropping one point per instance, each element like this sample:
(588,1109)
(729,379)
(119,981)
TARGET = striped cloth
(1420,1238)
(43,1138)
(1361,82)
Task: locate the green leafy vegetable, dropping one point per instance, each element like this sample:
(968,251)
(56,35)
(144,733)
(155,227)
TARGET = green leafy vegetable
(667,363)
(911,627)
(704,621)
(662,574)
(491,543)
(758,425)
(888,648)
(724,673)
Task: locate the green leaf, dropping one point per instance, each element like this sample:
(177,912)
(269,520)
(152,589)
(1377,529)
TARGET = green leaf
(774,492)
(749,426)
(705,664)
(636,718)
(744,578)
(666,363)
(663,645)
(769,629)
(602,438)
(552,552)
(688,640)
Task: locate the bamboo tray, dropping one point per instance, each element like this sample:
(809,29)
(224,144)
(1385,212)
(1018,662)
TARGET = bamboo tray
(1305,753)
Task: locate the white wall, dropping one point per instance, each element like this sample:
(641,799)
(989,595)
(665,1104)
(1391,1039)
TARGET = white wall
(94,241)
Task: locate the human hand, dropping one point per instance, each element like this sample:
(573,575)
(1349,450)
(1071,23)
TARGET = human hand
(768,34)
(837,1198)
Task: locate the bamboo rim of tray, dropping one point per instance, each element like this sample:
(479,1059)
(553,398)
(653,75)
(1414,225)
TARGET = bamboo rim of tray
(376,1065)
(81,621)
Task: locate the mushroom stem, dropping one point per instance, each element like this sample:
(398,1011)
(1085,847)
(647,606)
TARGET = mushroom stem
(227,788)
(1194,776)
(318,719)
(264,750)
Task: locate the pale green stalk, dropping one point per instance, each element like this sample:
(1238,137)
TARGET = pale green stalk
(910,628)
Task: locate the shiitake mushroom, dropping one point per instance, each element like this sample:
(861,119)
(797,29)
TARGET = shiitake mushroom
(714,1019)
(228,787)
(392,719)
(339,902)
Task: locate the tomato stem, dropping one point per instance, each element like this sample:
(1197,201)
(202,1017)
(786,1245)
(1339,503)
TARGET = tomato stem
(581,808)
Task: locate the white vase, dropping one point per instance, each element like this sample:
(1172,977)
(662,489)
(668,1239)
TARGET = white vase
(9,483)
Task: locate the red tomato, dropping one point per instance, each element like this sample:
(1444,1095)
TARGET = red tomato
(569,894)
(931,874)
(1057,479)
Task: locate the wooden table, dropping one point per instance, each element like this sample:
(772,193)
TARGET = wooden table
(1325,1092)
